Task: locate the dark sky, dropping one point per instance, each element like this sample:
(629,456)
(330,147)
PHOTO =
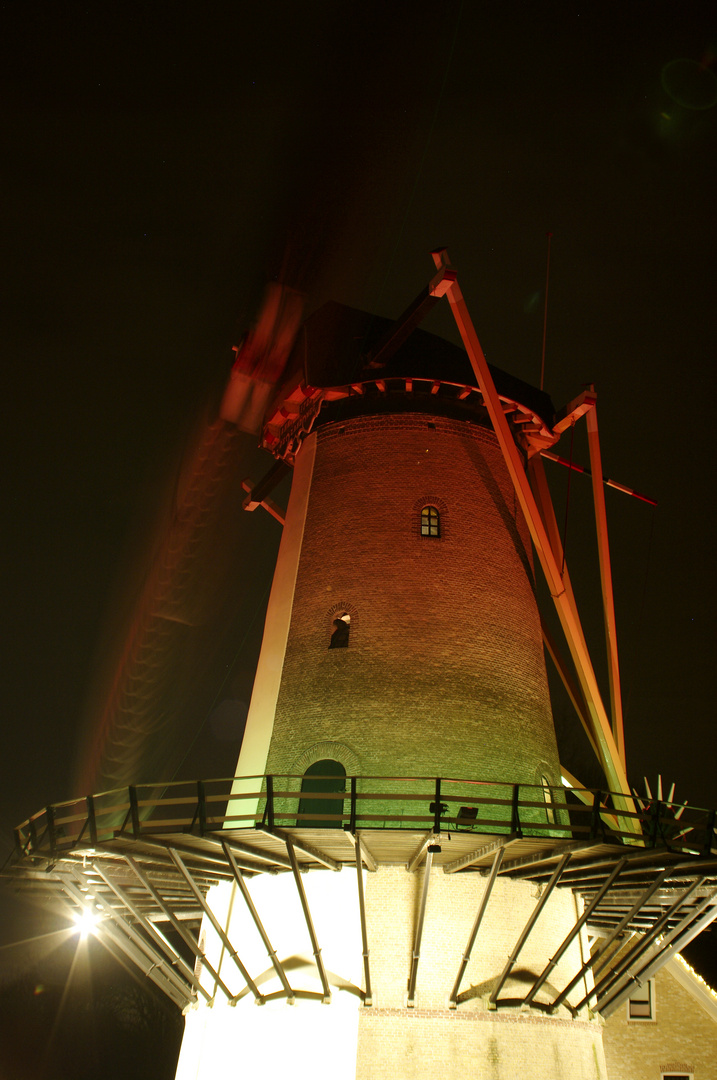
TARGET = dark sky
(162,162)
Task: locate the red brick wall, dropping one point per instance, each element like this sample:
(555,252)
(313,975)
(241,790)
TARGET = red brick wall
(444,673)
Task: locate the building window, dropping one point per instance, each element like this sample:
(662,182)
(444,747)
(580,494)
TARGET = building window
(323,779)
(641,1003)
(340,633)
(430,521)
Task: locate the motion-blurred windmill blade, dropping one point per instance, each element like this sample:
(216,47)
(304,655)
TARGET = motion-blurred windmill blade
(261,359)
(671,796)
(140,700)
(647,789)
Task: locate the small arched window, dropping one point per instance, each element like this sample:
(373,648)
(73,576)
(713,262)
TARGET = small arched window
(340,632)
(430,521)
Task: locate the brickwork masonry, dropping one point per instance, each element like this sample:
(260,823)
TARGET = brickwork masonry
(444,673)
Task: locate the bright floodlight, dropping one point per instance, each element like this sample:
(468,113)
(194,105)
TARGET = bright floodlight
(86,921)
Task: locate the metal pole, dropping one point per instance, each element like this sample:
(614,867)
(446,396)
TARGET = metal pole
(497,860)
(419,932)
(612,989)
(162,943)
(362,913)
(529,926)
(615,974)
(216,924)
(183,933)
(690,927)
(591,961)
(309,923)
(238,877)
(573,933)
(172,984)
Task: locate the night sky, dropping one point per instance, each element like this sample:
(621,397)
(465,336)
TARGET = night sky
(162,162)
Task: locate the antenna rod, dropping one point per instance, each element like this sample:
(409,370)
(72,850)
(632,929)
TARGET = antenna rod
(588,472)
(545,314)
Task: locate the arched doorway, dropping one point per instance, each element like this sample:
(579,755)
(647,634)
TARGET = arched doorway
(324,777)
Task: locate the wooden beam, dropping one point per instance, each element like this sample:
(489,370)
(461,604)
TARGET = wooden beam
(554,573)
(608,601)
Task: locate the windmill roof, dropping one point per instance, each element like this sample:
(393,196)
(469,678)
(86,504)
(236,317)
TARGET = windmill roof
(334,344)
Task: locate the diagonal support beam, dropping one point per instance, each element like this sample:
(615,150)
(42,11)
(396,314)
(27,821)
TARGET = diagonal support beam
(362,915)
(497,860)
(480,853)
(612,977)
(567,941)
(529,926)
(611,937)
(417,857)
(562,597)
(260,854)
(257,922)
(608,600)
(309,922)
(221,934)
(181,930)
(411,997)
(692,925)
(308,849)
(133,945)
(159,940)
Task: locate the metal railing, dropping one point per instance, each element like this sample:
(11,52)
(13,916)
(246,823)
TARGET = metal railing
(367,802)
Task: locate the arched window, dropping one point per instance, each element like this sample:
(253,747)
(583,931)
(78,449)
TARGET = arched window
(340,633)
(430,521)
(322,779)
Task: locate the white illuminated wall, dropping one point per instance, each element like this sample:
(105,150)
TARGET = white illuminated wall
(304,1040)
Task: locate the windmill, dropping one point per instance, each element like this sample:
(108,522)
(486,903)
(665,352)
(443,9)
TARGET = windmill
(397,873)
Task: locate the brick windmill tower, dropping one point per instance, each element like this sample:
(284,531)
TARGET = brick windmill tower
(396,874)
(402,640)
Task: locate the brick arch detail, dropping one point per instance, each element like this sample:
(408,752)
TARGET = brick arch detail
(441,507)
(334,751)
(544,770)
(339,607)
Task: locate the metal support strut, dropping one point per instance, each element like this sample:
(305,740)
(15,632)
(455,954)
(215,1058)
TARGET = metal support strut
(529,926)
(309,923)
(497,860)
(258,923)
(411,997)
(216,924)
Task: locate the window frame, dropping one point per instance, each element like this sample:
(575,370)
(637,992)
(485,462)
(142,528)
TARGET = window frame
(430,529)
(652,1018)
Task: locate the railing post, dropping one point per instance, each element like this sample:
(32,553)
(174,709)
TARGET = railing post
(595,821)
(91,819)
(201,807)
(655,830)
(134,810)
(50,827)
(709,832)
(352,820)
(270,801)
(437,807)
(515,815)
